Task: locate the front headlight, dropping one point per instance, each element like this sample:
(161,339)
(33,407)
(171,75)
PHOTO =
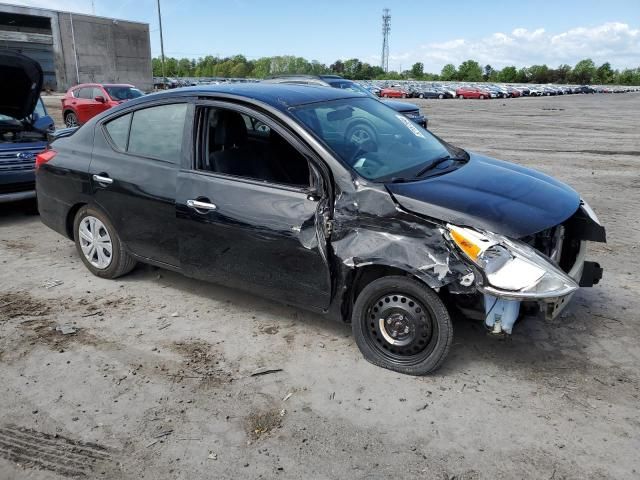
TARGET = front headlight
(511,268)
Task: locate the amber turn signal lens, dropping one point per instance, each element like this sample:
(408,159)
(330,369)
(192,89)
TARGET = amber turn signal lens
(467,246)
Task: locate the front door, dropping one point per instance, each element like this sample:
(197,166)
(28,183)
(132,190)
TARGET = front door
(250,210)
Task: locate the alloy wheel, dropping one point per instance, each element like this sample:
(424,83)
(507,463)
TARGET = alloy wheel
(70,120)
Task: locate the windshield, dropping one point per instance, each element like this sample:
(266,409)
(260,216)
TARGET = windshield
(352,87)
(373,139)
(123,93)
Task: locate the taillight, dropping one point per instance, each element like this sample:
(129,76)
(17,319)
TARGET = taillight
(44,157)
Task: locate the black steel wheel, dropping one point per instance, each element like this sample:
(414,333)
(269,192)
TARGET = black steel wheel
(401,324)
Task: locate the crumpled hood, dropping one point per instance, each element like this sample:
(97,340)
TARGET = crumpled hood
(401,106)
(492,195)
(21,84)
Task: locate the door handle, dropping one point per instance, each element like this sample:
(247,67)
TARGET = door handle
(103,180)
(199,205)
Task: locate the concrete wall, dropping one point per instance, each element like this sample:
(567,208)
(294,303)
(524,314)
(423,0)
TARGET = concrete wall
(107,50)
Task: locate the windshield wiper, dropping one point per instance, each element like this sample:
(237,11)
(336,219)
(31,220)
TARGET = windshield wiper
(437,162)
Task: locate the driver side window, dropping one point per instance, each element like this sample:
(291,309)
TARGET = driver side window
(240,145)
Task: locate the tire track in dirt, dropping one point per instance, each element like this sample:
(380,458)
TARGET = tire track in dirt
(32,449)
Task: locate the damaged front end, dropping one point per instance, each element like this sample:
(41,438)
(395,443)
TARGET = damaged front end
(544,269)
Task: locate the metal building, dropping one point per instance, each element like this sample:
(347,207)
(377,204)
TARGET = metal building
(76,48)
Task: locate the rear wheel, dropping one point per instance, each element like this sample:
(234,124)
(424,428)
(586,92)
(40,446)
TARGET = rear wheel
(402,325)
(440,96)
(421,95)
(99,245)
(70,119)
(404,96)
(481,97)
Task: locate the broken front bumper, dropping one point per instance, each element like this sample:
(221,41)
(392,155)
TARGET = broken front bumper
(503,306)
(586,274)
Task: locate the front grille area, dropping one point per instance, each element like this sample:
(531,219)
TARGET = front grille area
(17,187)
(558,243)
(14,162)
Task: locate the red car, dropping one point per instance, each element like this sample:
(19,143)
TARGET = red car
(472,92)
(85,101)
(393,92)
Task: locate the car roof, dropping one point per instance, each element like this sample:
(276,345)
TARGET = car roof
(279,95)
(84,85)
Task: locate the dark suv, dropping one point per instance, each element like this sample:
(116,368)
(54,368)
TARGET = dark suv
(409,110)
(262,187)
(24,125)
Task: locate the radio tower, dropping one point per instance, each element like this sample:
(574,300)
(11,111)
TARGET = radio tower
(386,29)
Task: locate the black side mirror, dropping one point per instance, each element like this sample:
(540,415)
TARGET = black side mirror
(100,98)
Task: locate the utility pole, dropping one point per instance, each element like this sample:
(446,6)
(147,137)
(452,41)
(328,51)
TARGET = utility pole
(93,7)
(386,30)
(161,42)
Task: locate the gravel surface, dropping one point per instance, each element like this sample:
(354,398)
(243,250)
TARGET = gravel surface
(150,376)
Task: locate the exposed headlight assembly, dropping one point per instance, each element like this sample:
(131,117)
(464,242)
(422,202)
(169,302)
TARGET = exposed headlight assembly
(511,269)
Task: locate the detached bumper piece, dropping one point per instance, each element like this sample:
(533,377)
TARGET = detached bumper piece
(591,274)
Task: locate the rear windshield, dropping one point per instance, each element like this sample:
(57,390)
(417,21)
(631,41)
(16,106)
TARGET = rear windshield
(123,93)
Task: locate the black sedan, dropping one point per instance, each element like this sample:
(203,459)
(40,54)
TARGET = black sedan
(432,93)
(262,187)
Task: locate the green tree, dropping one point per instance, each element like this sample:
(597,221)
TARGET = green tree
(508,75)
(239,70)
(488,72)
(539,73)
(184,67)
(352,68)
(584,71)
(262,67)
(449,72)
(604,73)
(417,70)
(337,67)
(470,71)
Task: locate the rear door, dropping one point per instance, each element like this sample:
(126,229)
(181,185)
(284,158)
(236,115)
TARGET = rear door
(250,209)
(134,169)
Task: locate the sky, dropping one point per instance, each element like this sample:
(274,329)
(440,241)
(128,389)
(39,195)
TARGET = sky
(494,32)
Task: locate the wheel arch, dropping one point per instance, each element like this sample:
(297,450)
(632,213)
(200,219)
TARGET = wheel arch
(361,276)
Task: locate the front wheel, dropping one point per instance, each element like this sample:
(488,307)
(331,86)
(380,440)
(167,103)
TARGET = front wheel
(99,245)
(402,325)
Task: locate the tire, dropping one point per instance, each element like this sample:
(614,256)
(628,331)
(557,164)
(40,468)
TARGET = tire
(440,96)
(481,97)
(404,96)
(71,119)
(118,262)
(414,332)
(421,95)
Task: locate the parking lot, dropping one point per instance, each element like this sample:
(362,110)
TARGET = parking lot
(158,376)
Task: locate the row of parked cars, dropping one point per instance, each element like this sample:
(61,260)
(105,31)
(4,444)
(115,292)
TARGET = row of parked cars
(483,91)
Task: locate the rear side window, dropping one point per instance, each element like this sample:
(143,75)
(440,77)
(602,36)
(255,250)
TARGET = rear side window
(118,131)
(157,132)
(154,132)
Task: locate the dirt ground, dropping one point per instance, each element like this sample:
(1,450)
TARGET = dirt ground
(150,376)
